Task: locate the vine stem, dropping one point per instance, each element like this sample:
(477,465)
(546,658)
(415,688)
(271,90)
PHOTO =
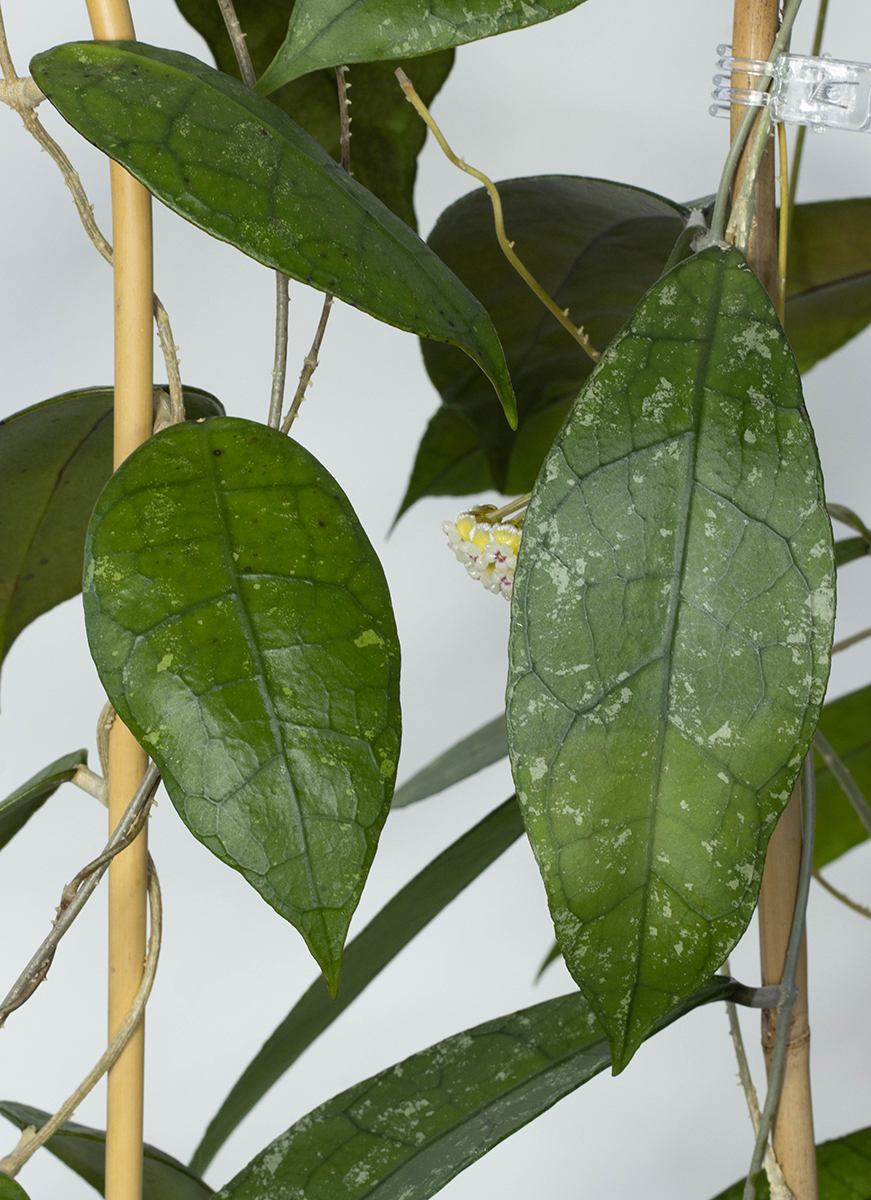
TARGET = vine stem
(128,873)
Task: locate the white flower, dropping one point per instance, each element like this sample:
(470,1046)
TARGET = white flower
(486,540)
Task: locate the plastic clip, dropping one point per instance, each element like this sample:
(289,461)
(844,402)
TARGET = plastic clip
(823,93)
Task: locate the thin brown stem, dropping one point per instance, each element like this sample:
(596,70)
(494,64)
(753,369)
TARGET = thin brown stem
(846,642)
(842,896)
(309,366)
(240,46)
(279,368)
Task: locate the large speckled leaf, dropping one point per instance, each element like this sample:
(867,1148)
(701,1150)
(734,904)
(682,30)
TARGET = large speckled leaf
(325,33)
(17,809)
(241,625)
(404,1134)
(669,650)
(235,165)
(54,459)
(828,284)
(401,919)
(83,1150)
(846,725)
(595,247)
(386,133)
(843,1171)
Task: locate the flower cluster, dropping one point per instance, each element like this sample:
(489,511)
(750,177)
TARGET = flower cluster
(487,545)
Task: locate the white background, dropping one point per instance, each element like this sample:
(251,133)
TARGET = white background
(617,89)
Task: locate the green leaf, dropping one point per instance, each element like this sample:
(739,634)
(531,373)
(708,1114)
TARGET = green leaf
(388,134)
(241,625)
(84,1150)
(10,1189)
(669,651)
(54,459)
(408,1131)
(843,1171)
(236,166)
(849,549)
(401,919)
(17,809)
(828,285)
(846,725)
(325,33)
(468,756)
(595,247)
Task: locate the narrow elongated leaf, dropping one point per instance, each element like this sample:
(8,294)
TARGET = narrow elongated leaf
(408,1131)
(234,164)
(325,33)
(470,755)
(846,725)
(388,134)
(54,459)
(401,919)
(17,809)
(595,247)
(242,628)
(83,1150)
(669,651)
(828,286)
(843,1171)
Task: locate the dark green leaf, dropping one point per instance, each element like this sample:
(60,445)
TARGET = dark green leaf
(84,1150)
(233,164)
(17,809)
(388,134)
(410,910)
(843,1171)
(595,247)
(475,752)
(849,549)
(325,33)
(54,459)
(10,1189)
(846,725)
(407,1132)
(828,297)
(671,626)
(242,628)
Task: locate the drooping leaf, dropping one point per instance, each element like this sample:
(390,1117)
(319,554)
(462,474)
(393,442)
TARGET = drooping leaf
(846,725)
(241,625)
(671,627)
(595,247)
(408,1131)
(235,165)
(54,459)
(849,549)
(470,755)
(83,1150)
(828,284)
(325,33)
(843,1171)
(387,134)
(401,919)
(17,809)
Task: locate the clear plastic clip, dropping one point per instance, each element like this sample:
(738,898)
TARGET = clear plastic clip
(824,93)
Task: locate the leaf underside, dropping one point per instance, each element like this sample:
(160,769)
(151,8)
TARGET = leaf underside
(671,628)
(404,1134)
(54,459)
(235,165)
(241,625)
(17,809)
(325,33)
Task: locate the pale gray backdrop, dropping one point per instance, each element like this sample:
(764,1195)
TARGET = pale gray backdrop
(617,89)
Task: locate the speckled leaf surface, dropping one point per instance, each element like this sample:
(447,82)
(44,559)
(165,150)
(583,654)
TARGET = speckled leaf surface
(83,1150)
(669,650)
(17,809)
(54,459)
(401,919)
(843,1171)
(388,134)
(325,33)
(595,247)
(404,1134)
(241,625)
(235,165)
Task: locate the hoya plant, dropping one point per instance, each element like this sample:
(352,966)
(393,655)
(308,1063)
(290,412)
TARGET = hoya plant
(621,450)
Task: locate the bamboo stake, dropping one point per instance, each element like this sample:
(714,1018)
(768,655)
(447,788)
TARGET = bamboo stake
(131,225)
(754,29)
